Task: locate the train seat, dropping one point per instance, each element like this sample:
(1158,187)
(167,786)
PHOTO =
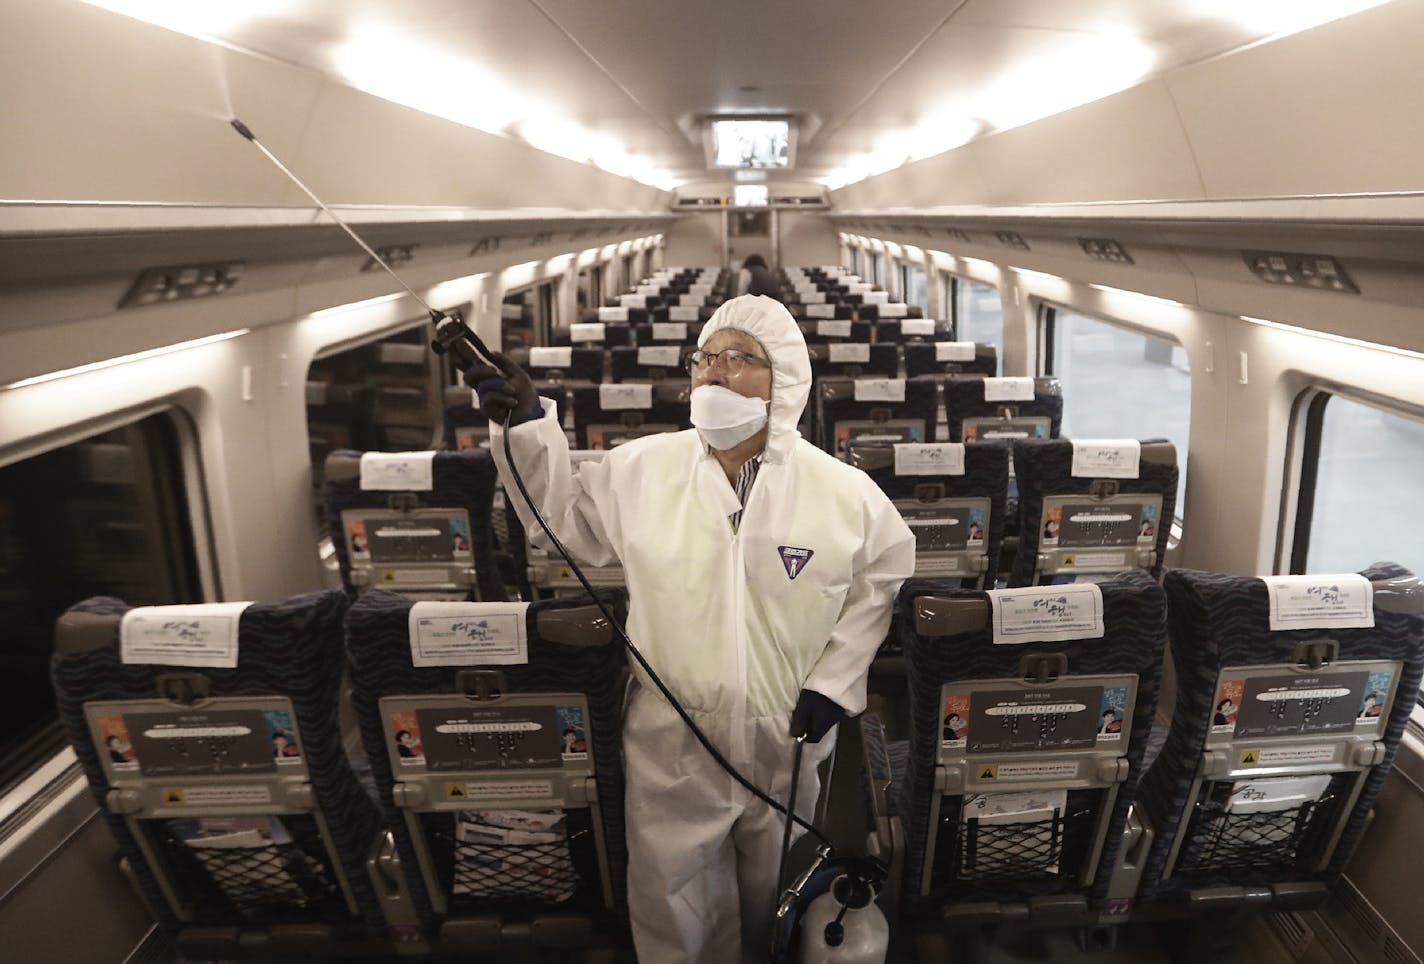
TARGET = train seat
(1292,696)
(608,415)
(560,364)
(1088,507)
(985,409)
(494,738)
(209,737)
(650,363)
(595,334)
(465,425)
(681,327)
(1028,717)
(950,358)
(547,573)
(854,359)
(912,330)
(417,522)
(884,410)
(952,496)
(831,320)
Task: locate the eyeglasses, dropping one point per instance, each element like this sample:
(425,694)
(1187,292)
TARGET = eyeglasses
(733,362)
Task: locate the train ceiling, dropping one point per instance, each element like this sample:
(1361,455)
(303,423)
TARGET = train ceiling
(629,84)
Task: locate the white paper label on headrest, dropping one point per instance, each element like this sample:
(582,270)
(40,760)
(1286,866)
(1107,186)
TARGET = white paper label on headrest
(648,291)
(1106,458)
(1046,614)
(879,389)
(859,287)
(666,356)
(813,297)
(691,301)
(831,329)
(954,351)
(633,301)
(612,313)
(895,309)
(875,298)
(929,458)
(917,326)
(203,635)
(614,397)
(587,331)
(468,634)
(669,331)
(1344,601)
(545,357)
(822,310)
(1014,389)
(849,352)
(683,312)
(699,291)
(397,471)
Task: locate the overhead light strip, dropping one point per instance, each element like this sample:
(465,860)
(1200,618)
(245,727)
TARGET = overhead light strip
(1338,339)
(127,359)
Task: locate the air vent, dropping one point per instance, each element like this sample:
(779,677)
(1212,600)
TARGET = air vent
(394,255)
(796,200)
(1300,270)
(182,282)
(1105,249)
(954,234)
(1012,239)
(702,202)
(1294,932)
(1360,913)
(1394,952)
(486,245)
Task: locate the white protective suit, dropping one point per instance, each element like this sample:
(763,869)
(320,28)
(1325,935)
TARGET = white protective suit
(723,622)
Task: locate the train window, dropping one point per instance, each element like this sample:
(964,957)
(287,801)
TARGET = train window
(527,315)
(877,268)
(914,287)
(106,516)
(977,311)
(855,261)
(1101,364)
(589,283)
(1359,496)
(382,396)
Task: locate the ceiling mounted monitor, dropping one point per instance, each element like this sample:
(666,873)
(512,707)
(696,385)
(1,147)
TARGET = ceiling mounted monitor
(752,142)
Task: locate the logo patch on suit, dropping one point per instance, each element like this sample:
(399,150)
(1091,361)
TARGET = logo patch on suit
(794,559)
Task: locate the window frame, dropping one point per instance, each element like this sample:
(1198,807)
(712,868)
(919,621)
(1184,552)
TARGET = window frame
(1047,312)
(41,750)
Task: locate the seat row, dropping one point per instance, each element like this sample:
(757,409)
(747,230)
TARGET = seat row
(1027,776)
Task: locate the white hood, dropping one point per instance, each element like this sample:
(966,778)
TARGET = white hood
(768,321)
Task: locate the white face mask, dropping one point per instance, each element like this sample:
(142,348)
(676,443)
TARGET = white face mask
(725,418)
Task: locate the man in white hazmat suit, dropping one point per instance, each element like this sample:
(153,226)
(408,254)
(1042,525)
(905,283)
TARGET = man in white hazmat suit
(761,574)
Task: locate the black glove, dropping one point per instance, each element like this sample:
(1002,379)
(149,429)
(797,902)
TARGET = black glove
(505,392)
(814,716)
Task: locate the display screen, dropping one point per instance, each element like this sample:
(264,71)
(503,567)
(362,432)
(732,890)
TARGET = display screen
(751,143)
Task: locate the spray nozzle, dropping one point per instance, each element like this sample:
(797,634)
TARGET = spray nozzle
(243,129)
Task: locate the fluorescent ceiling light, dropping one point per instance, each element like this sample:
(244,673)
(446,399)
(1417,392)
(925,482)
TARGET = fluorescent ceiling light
(353,305)
(1083,70)
(1279,18)
(434,81)
(1338,339)
(127,359)
(204,19)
